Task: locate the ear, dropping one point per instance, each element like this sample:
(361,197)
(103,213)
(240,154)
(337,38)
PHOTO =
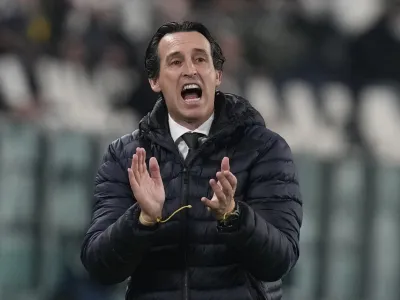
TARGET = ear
(155,85)
(218,78)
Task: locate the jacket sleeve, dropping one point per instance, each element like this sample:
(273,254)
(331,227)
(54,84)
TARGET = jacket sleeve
(115,241)
(271,215)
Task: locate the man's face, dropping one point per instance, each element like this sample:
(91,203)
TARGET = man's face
(187,77)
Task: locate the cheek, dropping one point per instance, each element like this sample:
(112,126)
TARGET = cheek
(167,83)
(212,79)
(209,74)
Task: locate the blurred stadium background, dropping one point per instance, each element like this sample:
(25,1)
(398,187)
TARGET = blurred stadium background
(324,74)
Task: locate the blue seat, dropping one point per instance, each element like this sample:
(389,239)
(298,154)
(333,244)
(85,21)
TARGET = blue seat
(69,177)
(385,261)
(16,258)
(19,156)
(305,273)
(345,235)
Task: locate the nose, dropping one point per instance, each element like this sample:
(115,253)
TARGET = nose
(189,69)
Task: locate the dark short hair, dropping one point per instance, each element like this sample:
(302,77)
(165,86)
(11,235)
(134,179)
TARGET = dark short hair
(152,60)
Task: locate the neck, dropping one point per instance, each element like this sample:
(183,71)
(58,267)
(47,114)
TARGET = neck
(191,124)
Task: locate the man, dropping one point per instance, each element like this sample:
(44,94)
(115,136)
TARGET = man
(218,214)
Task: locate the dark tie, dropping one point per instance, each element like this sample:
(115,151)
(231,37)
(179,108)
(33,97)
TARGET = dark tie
(192,140)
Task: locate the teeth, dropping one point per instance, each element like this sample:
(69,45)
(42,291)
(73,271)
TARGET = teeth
(191,86)
(192,100)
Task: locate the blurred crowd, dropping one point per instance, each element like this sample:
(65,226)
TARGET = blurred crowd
(324,74)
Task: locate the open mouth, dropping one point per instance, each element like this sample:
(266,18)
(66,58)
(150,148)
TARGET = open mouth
(191,92)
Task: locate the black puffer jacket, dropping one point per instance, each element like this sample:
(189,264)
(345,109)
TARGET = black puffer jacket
(186,258)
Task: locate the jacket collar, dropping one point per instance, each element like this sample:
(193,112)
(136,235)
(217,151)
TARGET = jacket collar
(178,130)
(231,112)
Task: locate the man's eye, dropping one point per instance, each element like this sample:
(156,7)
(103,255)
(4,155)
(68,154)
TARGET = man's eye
(176,62)
(200,59)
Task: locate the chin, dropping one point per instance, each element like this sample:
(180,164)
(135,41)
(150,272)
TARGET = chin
(195,112)
(193,117)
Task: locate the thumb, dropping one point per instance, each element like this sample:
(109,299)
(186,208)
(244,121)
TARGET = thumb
(225,164)
(154,169)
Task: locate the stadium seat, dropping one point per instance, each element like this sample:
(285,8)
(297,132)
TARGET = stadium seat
(345,229)
(337,104)
(305,272)
(69,176)
(14,82)
(385,238)
(16,252)
(308,132)
(380,122)
(19,154)
(262,94)
(354,17)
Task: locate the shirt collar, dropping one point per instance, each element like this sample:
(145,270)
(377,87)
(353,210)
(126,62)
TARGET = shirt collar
(178,130)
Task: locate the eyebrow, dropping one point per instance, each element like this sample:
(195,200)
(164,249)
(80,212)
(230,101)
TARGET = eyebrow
(177,53)
(199,50)
(173,54)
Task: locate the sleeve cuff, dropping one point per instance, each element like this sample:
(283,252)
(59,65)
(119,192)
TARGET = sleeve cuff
(232,223)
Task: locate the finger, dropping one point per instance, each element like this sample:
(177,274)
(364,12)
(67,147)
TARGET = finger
(225,164)
(143,167)
(226,186)
(211,205)
(135,169)
(231,178)
(132,166)
(217,190)
(132,180)
(139,154)
(155,170)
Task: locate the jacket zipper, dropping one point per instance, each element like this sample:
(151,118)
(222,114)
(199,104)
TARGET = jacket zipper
(184,232)
(185,294)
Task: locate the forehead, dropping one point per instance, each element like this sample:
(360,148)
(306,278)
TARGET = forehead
(183,42)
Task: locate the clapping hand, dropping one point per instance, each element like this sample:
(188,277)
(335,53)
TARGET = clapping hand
(148,189)
(222,202)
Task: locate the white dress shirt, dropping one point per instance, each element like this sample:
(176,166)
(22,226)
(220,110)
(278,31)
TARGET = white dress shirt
(178,130)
